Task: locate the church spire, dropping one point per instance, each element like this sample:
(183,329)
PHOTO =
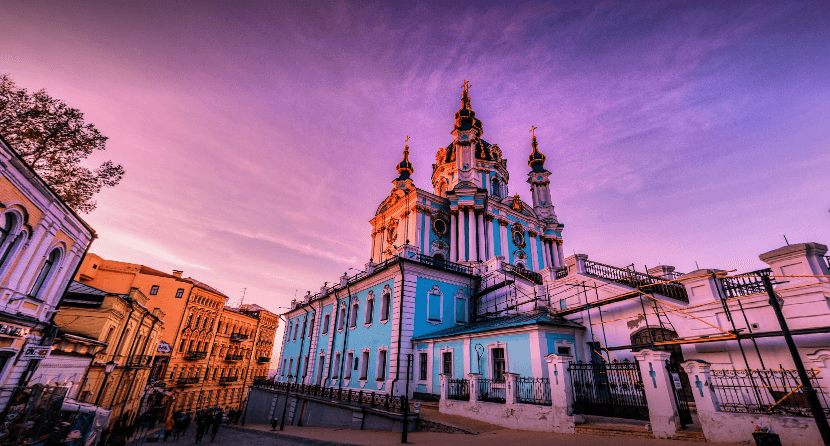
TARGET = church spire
(465,117)
(536,160)
(405,168)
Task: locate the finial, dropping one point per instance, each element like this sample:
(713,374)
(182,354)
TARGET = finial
(466,86)
(533,130)
(407,139)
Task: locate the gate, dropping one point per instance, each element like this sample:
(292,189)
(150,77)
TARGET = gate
(608,389)
(682,392)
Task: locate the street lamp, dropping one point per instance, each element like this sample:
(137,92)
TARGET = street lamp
(108,368)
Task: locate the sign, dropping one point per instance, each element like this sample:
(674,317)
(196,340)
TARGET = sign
(676,378)
(37,352)
(164,347)
(11,330)
(417,407)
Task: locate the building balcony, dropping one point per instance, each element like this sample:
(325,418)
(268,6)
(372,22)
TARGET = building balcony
(227,379)
(234,358)
(192,355)
(263,359)
(187,381)
(140,361)
(238,337)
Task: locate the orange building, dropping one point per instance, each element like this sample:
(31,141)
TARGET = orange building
(209,353)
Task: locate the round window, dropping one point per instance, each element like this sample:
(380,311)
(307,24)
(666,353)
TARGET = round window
(519,238)
(440,227)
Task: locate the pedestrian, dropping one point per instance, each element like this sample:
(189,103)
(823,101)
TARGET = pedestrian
(188,417)
(168,427)
(230,416)
(236,415)
(177,429)
(274,423)
(201,425)
(217,420)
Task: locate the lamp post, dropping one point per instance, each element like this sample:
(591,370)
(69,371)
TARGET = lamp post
(108,368)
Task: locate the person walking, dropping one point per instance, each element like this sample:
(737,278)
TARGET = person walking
(230,416)
(188,417)
(217,420)
(179,426)
(201,425)
(168,427)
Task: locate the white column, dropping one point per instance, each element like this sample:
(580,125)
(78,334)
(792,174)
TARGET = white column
(453,238)
(545,253)
(473,235)
(462,243)
(532,242)
(481,255)
(416,240)
(561,392)
(425,238)
(554,255)
(491,248)
(561,253)
(504,252)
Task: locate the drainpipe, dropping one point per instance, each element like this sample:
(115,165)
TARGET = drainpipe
(400,330)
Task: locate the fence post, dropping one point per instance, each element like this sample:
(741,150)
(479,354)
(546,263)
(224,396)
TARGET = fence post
(444,384)
(510,380)
(662,407)
(472,379)
(706,401)
(561,394)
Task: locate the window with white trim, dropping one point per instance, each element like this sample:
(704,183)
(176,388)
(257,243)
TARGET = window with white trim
(290,367)
(347,369)
(370,308)
(325,326)
(385,302)
(296,329)
(434,304)
(447,362)
(335,372)
(460,307)
(499,363)
(422,366)
(380,370)
(341,321)
(46,272)
(353,319)
(364,366)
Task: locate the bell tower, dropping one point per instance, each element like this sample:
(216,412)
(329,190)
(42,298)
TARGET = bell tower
(538,177)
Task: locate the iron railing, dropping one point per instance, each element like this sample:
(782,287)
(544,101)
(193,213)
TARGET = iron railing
(459,389)
(239,337)
(187,381)
(744,284)
(561,273)
(234,358)
(381,401)
(610,389)
(533,391)
(195,355)
(444,264)
(766,392)
(491,390)
(262,359)
(634,279)
(227,379)
(522,272)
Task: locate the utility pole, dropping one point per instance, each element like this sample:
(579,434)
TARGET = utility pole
(806,386)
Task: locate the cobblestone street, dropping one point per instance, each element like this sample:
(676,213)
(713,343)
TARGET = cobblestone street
(232,435)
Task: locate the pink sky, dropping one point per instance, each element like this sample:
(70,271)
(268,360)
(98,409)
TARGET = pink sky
(259,139)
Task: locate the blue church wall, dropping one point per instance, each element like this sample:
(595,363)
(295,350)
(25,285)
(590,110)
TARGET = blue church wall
(447,308)
(376,335)
(551,339)
(540,254)
(517,347)
(497,238)
(322,339)
(297,348)
(457,348)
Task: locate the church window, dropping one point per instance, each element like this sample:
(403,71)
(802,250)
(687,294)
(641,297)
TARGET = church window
(290,367)
(460,308)
(384,306)
(495,187)
(364,367)
(353,319)
(370,308)
(8,221)
(438,256)
(336,369)
(434,304)
(440,227)
(519,238)
(380,371)
(325,327)
(342,319)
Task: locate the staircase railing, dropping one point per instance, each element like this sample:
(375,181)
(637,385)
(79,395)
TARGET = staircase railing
(635,279)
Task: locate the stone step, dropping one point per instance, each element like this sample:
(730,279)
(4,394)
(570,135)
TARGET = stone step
(624,430)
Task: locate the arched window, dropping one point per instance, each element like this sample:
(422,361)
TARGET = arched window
(7,223)
(385,303)
(439,256)
(341,321)
(46,272)
(370,309)
(353,319)
(495,186)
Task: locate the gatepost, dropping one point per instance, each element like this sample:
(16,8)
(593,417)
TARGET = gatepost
(706,401)
(510,380)
(472,379)
(561,394)
(657,383)
(445,390)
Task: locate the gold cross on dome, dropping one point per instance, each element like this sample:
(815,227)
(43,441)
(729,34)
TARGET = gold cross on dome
(466,86)
(407,139)
(533,130)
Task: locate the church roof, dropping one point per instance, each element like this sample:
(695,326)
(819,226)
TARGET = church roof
(539,317)
(536,160)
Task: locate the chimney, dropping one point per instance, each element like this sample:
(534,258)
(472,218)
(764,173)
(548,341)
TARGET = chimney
(177,273)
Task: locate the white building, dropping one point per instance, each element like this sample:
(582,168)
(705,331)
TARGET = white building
(42,242)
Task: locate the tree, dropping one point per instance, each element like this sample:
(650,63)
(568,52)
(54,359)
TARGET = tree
(54,139)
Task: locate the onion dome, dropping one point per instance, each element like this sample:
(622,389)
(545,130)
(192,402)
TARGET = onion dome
(465,118)
(405,167)
(536,160)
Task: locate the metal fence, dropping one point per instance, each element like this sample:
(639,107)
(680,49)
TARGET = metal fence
(533,391)
(765,392)
(350,396)
(523,272)
(491,390)
(647,283)
(744,284)
(459,389)
(444,264)
(609,389)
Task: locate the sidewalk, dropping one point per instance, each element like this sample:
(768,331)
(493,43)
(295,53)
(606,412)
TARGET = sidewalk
(502,437)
